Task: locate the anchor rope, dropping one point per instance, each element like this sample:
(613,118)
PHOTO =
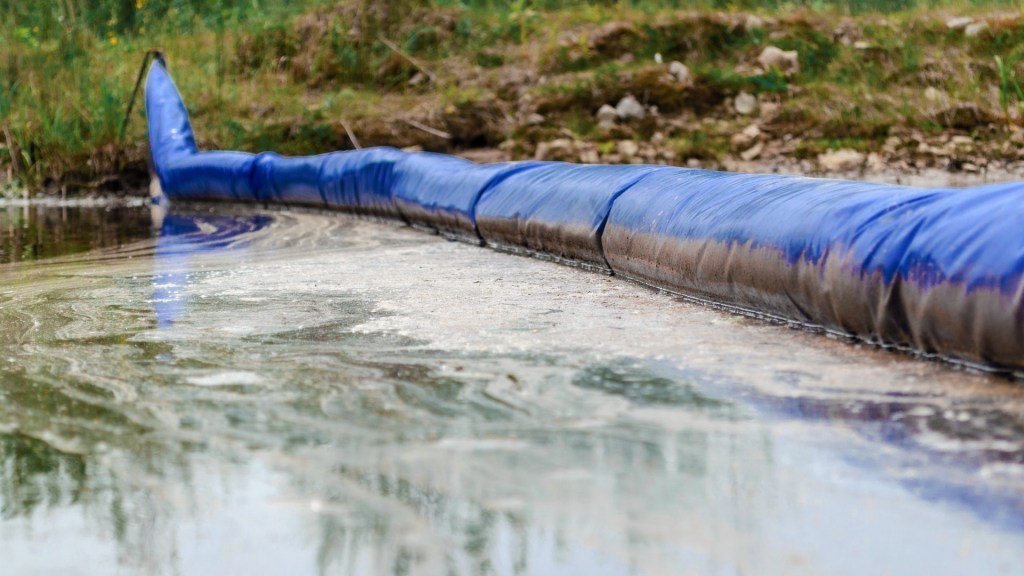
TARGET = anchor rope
(157,55)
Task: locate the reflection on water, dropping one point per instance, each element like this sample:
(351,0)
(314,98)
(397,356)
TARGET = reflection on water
(33,474)
(182,235)
(32,232)
(311,394)
(645,388)
(961,441)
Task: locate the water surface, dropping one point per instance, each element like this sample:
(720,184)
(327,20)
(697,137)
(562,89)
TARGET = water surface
(32,231)
(270,392)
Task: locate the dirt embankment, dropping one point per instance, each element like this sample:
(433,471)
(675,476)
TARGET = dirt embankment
(806,92)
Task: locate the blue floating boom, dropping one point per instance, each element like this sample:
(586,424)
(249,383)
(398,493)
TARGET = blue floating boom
(933,270)
(558,210)
(441,192)
(282,180)
(939,271)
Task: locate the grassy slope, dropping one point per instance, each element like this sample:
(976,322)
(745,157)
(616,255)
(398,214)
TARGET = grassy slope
(294,80)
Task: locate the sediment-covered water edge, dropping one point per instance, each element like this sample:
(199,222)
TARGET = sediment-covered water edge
(289,392)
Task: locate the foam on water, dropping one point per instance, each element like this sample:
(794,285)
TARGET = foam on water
(310,393)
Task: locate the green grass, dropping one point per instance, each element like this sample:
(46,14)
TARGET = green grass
(262,74)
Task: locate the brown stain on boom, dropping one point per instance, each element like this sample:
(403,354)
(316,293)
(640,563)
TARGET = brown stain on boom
(979,326)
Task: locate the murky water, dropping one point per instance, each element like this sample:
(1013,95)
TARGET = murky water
(290,393)
(36,231)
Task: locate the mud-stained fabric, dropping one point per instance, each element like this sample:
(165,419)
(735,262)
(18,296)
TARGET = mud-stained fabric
(557,210)
(934,270)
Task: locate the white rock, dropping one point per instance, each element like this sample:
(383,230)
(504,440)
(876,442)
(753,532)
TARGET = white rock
(554,149)
(975,28)
(535,119)
(657,57)
(606,116)
(748,136)
(680,72)
(744,103)
(627,148)
(753,152)
(959,23)
(769,109)
(785,61)
(629,108)
(752,22)
(932,94)
(841,160)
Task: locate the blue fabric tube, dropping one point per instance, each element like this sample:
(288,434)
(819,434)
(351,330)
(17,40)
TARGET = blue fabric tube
(558,210)
(170,132)
(209,176)
(289,180)
(441,191)
(360,181)
(939,271)
(183,171)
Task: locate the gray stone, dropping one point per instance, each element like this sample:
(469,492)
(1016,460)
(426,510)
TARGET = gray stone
(785,61)
(747,137)
(959,23)
(629,108)
(606,116)
(627,149)
(752,22)
(680,72)
(589,156)
(744,103)
(975,28)
(843,160)
(558,149)
(753,152)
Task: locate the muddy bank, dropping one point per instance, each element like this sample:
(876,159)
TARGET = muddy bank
(810,92)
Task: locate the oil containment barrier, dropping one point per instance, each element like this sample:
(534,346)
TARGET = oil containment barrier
(936,271)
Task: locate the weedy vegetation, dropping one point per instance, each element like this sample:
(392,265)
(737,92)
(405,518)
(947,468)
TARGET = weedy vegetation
(299,77)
